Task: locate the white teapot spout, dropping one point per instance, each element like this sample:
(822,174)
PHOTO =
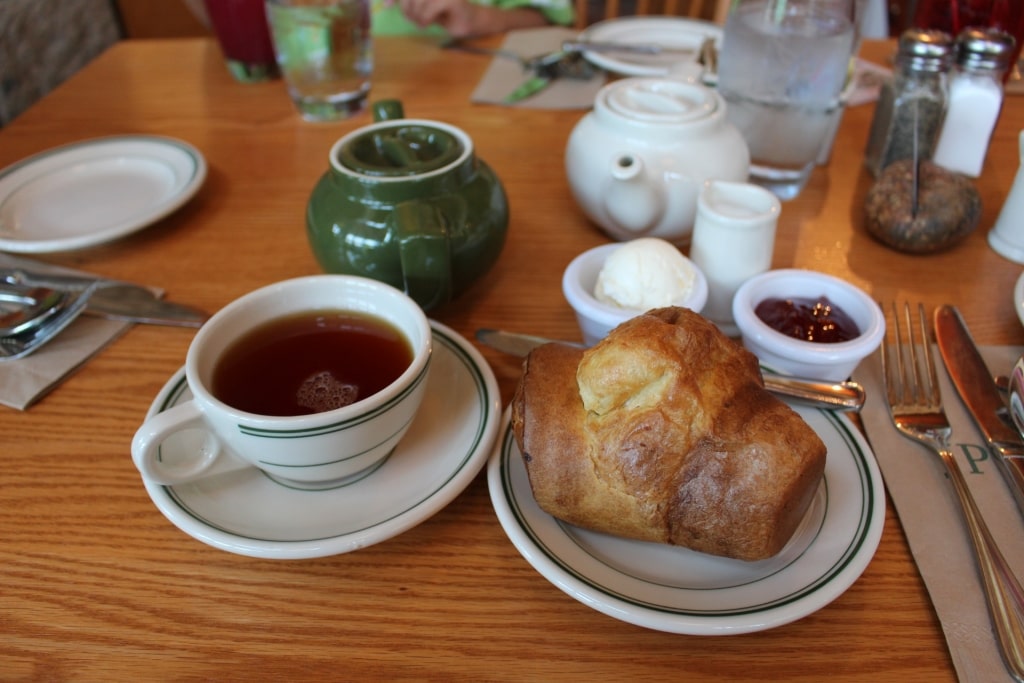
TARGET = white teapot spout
(635,204)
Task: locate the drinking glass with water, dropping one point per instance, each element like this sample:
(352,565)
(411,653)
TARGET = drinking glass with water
(782,68)
(325,53)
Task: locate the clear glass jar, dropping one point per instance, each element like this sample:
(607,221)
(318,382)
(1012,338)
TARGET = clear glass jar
(913,99)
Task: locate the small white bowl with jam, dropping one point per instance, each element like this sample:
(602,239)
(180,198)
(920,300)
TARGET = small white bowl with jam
(807,324)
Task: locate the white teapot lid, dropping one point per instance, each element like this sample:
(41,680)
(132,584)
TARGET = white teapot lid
(659,100)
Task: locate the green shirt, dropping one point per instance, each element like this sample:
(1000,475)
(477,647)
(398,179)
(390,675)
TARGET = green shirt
(388,19)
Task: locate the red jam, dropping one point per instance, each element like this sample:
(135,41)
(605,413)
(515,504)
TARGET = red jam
(813,320)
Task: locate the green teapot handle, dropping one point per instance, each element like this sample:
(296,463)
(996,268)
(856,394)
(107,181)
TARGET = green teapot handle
(388,110)
(423,231)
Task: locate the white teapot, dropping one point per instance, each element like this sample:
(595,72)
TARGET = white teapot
(636,163)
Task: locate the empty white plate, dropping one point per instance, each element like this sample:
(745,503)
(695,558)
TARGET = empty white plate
(91,192)
(675,33)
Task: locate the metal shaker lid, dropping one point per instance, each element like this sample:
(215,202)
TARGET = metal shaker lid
(923,49)
(984,49)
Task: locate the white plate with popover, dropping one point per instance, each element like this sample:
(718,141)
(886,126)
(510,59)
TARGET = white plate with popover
(677,590)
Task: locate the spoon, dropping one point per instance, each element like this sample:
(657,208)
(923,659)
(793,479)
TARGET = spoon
(29,333)
(830,395)
(33,308)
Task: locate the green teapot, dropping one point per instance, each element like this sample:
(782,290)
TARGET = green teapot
(407,202)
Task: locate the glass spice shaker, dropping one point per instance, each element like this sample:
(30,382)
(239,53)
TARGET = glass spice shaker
(915,97)
(975,99)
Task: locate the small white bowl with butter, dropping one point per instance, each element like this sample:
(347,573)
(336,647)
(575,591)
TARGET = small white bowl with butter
(610,284)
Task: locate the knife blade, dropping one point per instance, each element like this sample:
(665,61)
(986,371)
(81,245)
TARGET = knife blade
(834,396)
(984,402)
(114,299)
(632,48)
(135,303)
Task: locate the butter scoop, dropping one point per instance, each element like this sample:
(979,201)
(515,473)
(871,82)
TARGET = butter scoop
(645,273)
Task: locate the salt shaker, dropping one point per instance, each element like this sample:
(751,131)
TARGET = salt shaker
(915,98)
(733,240)
(975,99)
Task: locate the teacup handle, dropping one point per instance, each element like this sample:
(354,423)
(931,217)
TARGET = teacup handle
(423,230)
(154,431)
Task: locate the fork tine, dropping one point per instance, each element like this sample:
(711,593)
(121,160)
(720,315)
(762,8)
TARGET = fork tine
(901,353)
(908,368)
(894,361)
(926,381)
(888,382)
(934,393)
(916,341)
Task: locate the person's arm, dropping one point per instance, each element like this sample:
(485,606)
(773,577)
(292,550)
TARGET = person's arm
(463,19)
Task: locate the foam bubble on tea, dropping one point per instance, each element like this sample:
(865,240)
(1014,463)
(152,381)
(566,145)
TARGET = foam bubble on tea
(643,274)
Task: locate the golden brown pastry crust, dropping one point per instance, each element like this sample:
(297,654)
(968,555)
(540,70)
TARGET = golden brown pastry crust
(664,432)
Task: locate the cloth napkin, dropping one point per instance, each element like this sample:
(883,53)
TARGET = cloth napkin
(928,511)
(26,380)
(504,75)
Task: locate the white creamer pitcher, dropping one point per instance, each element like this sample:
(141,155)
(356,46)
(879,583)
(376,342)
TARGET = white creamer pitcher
(1007,237)
(636,162)
(733,240)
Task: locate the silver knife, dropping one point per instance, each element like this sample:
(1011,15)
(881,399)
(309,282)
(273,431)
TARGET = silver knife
(633,48)
(835,396)
(114,299)
(135,303)
(984,402)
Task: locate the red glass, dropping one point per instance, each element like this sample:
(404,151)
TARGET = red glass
(241,28)
(952,16)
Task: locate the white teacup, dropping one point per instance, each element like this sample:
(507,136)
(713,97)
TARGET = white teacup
(314,448)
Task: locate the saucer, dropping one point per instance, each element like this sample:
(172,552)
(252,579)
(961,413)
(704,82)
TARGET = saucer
(246,512)
(673,589)
(95,191)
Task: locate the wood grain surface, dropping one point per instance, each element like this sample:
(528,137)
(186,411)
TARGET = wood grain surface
(95,584)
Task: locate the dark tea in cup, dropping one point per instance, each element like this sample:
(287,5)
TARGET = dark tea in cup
(310,362)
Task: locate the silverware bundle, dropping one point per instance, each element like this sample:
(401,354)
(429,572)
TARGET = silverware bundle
(569,61)
(915,405)
(36,307)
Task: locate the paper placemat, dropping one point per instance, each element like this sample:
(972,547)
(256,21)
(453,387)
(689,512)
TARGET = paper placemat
(929,513)
(504,75)
(26,380)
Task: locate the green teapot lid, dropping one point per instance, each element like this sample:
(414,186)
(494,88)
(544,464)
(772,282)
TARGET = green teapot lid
(399,149)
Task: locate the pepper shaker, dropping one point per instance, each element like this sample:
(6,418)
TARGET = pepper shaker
(975,99)
(914,98)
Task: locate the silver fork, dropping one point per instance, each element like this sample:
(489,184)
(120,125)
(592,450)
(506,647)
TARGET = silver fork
(915,404)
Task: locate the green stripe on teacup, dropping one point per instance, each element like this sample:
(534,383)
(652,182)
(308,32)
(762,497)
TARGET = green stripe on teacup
(336,461)
(336,426)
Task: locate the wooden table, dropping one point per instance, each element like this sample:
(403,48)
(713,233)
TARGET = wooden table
(97,585)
